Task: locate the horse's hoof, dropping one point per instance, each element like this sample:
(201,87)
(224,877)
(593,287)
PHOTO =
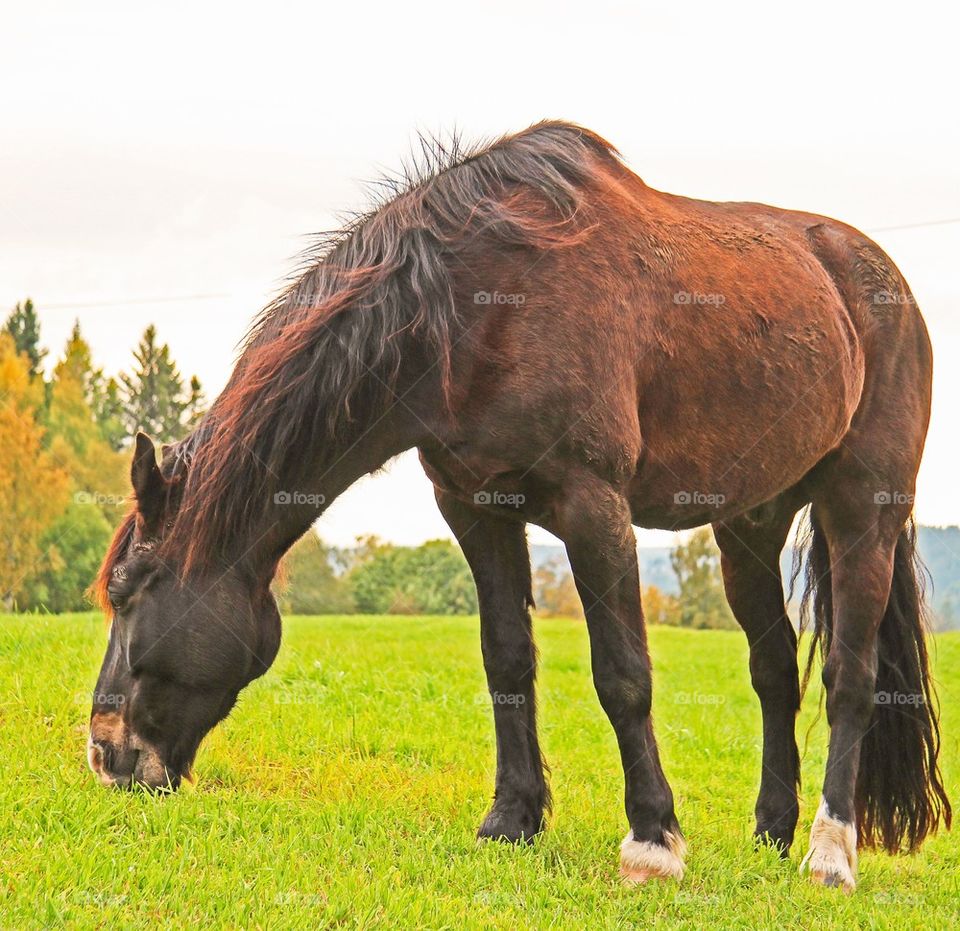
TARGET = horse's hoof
(832,858)
(781,844)
(509,828)
(641,861)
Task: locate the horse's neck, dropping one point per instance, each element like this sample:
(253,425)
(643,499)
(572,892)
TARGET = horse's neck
(316,477)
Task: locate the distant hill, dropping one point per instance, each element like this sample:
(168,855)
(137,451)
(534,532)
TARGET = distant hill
(939,549)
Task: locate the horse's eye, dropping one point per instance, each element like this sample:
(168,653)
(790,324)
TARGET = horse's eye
(116,601)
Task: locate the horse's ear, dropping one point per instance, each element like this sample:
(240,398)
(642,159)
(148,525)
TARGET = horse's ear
(148,484)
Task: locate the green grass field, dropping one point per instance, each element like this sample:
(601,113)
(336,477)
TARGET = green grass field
(346,788)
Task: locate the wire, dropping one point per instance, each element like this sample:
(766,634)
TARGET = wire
(210,297)
(133,300)
(912,226)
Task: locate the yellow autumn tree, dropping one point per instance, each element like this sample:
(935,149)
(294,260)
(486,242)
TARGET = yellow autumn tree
(33,490)
(555,592)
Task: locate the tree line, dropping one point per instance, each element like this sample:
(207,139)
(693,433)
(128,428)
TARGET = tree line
(381,578)
(64,459)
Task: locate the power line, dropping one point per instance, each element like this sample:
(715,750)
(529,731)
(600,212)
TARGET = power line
(183,298)
(912,226)
(132,300)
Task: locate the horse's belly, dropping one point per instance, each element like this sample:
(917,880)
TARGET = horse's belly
(734,437)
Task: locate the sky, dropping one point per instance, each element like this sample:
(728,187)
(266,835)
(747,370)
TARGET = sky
(166,163)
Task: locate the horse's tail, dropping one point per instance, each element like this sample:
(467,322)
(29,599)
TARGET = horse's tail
(899,797)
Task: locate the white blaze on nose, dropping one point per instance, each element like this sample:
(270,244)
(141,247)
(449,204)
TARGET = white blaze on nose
(95,761)
(105,728)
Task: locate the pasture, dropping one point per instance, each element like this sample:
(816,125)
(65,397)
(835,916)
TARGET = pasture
(346,788)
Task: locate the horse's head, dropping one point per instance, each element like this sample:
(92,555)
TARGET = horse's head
(180,648)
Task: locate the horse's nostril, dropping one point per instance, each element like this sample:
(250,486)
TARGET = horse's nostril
(95,756)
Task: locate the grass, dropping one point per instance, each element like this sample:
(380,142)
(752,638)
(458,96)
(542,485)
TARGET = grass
(346,788)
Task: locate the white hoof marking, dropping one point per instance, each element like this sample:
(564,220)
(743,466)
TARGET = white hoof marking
(643,860)
(832,857)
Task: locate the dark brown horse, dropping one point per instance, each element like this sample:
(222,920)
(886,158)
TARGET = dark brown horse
(567,347)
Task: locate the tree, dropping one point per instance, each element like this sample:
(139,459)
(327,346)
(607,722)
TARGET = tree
(98,472)
(100,394)
(33,490)
(555,591)
(702,602)
(24,326)
(70,554)
(108,411)
(430,579)
(154,397)
(72,547)
(659,607)
(311,584)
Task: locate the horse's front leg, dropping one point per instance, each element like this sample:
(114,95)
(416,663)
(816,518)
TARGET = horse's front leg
(496,550)
(595,526)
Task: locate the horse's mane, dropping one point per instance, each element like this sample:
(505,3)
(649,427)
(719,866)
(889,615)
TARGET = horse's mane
(330,344)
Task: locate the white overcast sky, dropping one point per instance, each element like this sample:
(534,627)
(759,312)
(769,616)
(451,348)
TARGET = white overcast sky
(182,151)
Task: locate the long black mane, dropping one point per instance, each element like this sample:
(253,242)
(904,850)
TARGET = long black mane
(323,357)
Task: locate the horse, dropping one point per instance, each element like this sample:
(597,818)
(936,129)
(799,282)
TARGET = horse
(570,348)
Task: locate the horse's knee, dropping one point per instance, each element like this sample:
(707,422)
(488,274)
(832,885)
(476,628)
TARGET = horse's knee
(850,686)
(624,695)
(775,677)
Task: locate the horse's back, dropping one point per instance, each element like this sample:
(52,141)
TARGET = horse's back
(767,339)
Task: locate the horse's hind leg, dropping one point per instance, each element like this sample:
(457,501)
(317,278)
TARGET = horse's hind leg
(496,550)
(882,783)
(594,523)
(859,549)
(750,549)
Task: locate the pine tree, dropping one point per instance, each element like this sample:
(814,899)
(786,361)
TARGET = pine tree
(196,403)
(154,397)
(109,411)
(23,325)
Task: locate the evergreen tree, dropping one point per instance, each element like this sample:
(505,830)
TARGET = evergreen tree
(109,411)
(196,403)
(23,325)
(154,397)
